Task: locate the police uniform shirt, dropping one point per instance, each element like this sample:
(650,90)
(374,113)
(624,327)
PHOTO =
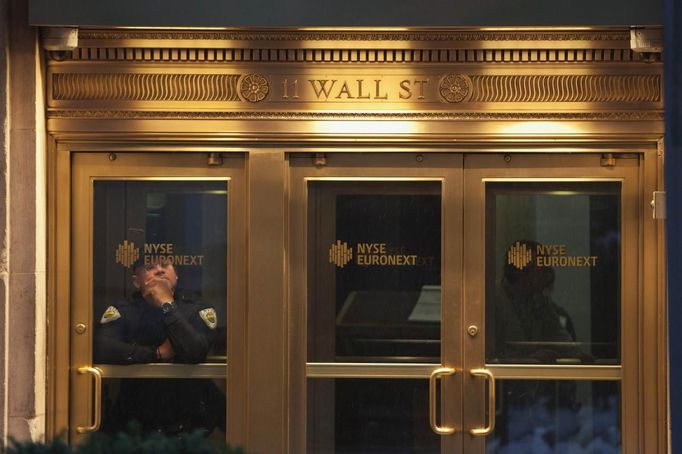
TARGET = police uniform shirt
(129,332)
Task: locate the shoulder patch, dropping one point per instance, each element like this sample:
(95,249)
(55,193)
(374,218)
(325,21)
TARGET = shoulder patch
(209,317)
(110,315)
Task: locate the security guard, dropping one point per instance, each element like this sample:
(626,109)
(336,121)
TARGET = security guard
(157,325)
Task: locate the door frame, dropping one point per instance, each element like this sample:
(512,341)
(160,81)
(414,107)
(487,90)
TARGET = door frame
(481,169)
(445,168)
(77,169)
(267,185)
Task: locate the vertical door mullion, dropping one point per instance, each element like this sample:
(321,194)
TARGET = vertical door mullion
(473,392)
(452,320)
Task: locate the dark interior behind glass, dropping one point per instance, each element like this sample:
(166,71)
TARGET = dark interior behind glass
(553,272)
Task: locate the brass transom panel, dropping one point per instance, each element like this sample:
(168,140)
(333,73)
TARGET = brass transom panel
(384,74)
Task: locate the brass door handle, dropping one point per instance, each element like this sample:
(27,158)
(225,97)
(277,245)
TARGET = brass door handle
(483,431)
(97,375)
(435,375)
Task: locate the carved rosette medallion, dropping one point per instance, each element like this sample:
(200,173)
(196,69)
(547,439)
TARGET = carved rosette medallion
(254,87)
(455,88)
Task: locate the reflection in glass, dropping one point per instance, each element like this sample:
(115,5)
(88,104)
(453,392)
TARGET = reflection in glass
(374,261)
(553,273)
(188,405)
(363,416)
(556,417)
(159,242)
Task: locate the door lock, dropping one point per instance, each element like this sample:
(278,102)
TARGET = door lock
(472,330)
(80,328)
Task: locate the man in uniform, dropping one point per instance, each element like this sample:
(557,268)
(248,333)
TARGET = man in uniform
(528,324)
(156,325)
(529,327)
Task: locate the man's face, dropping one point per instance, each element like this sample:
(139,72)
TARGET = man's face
(147,275)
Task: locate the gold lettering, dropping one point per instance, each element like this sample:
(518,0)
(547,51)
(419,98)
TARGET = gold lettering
(543,249)
(321,87)
(421,84)
(383,259)
(405,86)
(377,83)
(566,260)
(295,88)
(360,95)
(194,260)
(371,248)
(562,249)
(285,89)
(344,90)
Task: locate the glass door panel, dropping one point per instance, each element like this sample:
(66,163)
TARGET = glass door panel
(167,237)
(154,289)
(549,256)
(562,416)
(374,298)
(370,416)
(179,225)
(553,272)
(375,284)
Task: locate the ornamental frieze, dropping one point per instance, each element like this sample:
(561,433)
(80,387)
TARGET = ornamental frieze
(350,115)
(145,87)
(448,36)
(362,91)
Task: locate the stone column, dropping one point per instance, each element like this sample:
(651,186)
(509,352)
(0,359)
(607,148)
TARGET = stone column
(23,228)
(4,151)
(672,29)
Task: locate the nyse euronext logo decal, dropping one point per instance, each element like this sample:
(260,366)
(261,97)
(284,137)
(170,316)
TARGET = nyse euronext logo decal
(128,253)
(522,254)
(374,254)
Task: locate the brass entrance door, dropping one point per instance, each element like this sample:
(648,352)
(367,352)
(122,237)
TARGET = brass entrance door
(464,303)
(157,297)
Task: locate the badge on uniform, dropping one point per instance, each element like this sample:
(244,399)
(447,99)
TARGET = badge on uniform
(209,317)
(110,315)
